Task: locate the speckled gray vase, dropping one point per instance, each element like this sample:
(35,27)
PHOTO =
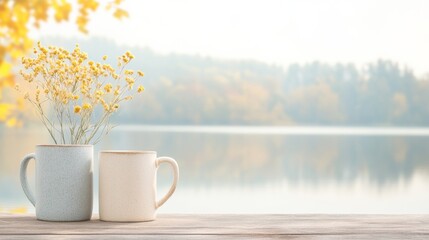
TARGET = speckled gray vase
(63,182)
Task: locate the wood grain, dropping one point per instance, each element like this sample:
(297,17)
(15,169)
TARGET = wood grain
(177,226)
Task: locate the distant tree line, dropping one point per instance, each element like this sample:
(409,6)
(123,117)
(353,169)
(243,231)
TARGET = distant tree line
(183,89)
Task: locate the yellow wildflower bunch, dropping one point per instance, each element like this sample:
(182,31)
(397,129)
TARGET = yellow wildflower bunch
(77,90)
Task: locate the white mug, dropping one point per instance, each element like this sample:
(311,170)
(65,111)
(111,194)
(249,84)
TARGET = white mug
(63,182)
(127,185)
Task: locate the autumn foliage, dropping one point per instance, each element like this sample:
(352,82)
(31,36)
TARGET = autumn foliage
(17,18)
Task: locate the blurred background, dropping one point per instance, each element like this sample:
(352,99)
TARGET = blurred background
(268,106)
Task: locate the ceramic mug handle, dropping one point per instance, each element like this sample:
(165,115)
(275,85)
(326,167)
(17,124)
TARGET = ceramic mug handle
(23,175)
(175,167)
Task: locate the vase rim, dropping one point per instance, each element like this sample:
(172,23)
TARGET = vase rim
(128,151)
(64,145)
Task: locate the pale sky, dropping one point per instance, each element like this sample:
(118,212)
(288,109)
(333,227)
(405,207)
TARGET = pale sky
(273,31)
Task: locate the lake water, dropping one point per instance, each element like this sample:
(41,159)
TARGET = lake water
(261,169)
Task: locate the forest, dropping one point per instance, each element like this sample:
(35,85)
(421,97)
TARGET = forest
(196,90)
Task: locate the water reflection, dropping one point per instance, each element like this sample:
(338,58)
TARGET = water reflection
(237,159)
(276,166)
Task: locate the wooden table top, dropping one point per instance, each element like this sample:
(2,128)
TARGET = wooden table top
(229,226)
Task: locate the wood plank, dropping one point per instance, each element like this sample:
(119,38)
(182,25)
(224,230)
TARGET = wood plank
(209,237)
(180,226)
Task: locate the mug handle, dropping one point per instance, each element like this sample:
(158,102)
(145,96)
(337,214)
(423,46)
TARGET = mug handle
(175,167)
(23,175)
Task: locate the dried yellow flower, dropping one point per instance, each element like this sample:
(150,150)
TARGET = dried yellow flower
(140,89)
(106,107)
(108,87)
(87,106)
(117,92)
(67,77)
(99,93)
(77,109)
(130,80)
